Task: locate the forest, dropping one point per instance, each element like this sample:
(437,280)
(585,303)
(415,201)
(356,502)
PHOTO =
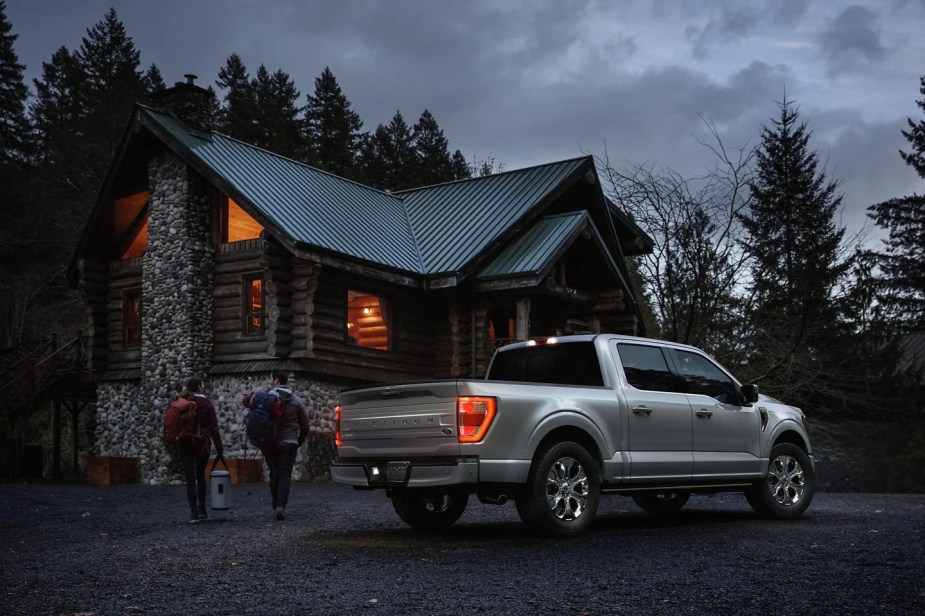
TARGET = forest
(749,260)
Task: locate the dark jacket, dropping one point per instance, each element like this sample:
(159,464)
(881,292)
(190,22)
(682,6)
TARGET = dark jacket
(293,424)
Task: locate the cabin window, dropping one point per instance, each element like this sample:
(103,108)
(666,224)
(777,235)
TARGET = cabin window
(131,317)
(238,224)
(130,222)
(253,304)
(368,322)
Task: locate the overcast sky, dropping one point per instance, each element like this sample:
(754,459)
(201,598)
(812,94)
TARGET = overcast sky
(533,81)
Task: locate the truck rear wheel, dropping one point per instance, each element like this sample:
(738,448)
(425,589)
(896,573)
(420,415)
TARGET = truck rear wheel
(562,492)
(429,509)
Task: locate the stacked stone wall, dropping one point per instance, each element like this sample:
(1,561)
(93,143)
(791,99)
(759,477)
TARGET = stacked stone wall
(120,432)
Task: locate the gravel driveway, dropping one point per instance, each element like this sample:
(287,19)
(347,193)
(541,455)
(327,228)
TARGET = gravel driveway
(68,549)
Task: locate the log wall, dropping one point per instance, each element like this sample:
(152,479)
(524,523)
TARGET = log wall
(122,276)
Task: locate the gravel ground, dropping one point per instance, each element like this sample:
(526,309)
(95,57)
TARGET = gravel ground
(128,549)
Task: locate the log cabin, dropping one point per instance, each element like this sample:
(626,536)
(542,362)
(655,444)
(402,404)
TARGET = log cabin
(208,256)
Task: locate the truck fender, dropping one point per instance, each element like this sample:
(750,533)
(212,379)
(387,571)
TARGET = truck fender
(565,418)
(787,425)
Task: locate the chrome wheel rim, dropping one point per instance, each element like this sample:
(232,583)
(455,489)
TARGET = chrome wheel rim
(567,489)
(786,481)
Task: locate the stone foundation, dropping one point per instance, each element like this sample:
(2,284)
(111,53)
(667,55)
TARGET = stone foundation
(130,424)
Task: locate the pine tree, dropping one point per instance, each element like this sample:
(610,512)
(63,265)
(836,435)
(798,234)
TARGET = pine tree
(237,115)
(794,244)
(916,137)
(434,163)
(279,129)
(14,127)
(154,82)
(114,83)
(333,128)
(901,279)
(459,167)
(373,167)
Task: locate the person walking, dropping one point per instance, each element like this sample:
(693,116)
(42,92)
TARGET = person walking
(292,430)
(195,448)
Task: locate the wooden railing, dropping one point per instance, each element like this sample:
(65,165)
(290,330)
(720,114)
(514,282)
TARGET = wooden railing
(38,369)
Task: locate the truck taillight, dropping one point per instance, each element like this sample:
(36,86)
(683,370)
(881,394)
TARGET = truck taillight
(474,416)
(337,439)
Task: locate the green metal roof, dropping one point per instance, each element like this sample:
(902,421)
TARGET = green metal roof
(454,222)
(431,231)
(312,207)
(537,249)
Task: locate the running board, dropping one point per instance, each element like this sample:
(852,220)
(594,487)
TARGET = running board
(675,488)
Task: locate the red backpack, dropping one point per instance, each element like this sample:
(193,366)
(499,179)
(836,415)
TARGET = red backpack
(181,421)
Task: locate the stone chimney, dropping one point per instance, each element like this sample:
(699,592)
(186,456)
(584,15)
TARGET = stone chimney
(189,102)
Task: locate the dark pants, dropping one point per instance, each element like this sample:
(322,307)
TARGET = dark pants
(194,469)
(280,462)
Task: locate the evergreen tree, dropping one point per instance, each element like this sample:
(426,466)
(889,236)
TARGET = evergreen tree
(794,244)
(237,115)
(114,83)
(901,280)
(154,82)
(279,129)
(372,163)
(916,137)
(434,163)
(333,128)
(14,128)
(459,167)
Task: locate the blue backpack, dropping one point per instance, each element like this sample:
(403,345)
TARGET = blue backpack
(262,422)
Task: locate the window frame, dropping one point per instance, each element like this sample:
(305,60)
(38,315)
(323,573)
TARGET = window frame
(130,324)
(388,320)
(676,385)
(247,281)
(683,383)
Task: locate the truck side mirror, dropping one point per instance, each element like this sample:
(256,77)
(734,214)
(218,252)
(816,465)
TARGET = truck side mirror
(750,393)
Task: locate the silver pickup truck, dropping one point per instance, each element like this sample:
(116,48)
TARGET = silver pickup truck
(559,421)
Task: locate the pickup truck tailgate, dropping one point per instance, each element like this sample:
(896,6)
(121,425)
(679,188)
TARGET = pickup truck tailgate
(412,420)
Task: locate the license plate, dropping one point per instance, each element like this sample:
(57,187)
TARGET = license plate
(397,471)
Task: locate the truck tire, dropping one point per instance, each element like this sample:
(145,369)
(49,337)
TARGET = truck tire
(789,486)
(563,491)
(662,503)
(429,509)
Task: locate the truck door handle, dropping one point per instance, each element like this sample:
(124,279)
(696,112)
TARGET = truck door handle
(704,413)
(642,410)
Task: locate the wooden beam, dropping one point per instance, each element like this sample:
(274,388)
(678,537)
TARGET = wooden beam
(523,318)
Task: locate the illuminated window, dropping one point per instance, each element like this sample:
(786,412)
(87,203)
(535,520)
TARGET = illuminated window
(253,304)
(367,321)
(239,225)
(131,317)
(130,220)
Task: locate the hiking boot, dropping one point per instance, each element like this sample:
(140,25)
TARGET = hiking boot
(194,519)
(280,513)
(202,515)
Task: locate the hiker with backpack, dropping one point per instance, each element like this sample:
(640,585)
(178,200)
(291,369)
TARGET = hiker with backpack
(191,424)
(277,424)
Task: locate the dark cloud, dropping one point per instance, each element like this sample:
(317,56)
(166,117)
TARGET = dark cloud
(527,84)
(733,21)
(852,39)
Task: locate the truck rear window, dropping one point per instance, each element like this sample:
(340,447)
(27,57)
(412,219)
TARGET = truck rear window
(574,363)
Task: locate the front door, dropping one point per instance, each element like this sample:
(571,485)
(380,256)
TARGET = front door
(725,435)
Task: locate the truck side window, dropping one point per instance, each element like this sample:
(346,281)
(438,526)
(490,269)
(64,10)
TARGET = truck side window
(701,376)
(645,367)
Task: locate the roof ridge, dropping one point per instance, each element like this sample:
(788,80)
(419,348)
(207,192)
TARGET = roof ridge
(493,175)
(277,155)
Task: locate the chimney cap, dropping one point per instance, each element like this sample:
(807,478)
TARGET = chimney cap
(190,78)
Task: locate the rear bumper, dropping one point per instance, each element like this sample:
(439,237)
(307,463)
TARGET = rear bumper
(372,474)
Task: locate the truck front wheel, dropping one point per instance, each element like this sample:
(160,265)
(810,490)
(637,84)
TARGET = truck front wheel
(788,489)
(428,509)
(562,492)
